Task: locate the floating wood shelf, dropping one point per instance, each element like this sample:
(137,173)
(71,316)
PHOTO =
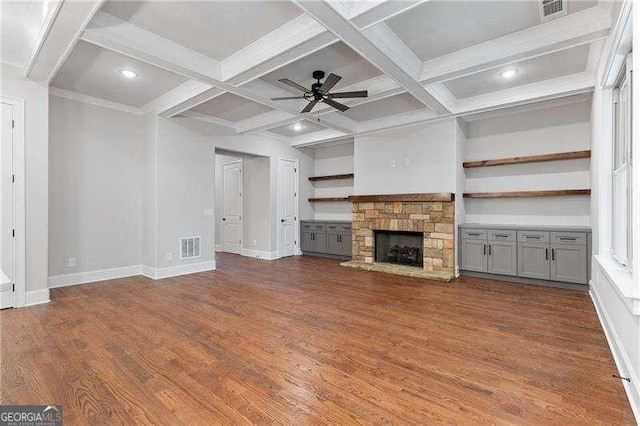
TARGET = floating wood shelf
(439,196)
(529,159)
(328,200)
(549,193)
(331,177)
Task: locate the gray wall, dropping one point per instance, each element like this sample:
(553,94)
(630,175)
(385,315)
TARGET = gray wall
(333,160)
(430,149)
(36,100)
(184,190)
(544,131)
(96,170)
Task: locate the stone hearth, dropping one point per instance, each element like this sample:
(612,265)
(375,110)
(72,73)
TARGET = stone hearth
(431,214)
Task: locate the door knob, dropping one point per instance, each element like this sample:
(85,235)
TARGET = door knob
(283,220)
(224,218)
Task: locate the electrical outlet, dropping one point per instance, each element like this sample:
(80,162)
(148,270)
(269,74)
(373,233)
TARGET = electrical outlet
(71,262)
(169,256)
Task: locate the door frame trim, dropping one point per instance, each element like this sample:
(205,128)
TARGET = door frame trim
(19,205)
(296,190)
(224,163)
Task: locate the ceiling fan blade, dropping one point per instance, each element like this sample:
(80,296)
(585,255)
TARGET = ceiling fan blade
(310,106)
(336,105)
(331,81)
(293,84)
(359,94)
(287,97)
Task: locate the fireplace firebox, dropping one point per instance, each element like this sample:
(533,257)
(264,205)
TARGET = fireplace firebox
(399,247)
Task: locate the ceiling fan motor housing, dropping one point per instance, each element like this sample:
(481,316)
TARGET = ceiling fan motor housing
(318,75)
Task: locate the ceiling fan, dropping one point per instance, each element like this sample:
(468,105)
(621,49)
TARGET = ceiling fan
(319,92)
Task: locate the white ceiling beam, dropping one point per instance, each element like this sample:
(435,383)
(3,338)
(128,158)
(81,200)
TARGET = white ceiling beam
(58,36)
(573,30)
(167,101)
(536,92)
(91,100)
(266,121)
(327,134)
(120,36)
(294,40)
(209,119)
(371,48)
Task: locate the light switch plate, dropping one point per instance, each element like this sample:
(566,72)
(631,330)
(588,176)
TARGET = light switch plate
(208,212)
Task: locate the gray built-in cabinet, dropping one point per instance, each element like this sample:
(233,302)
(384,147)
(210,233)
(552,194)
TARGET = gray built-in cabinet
(326,238)
(554,254)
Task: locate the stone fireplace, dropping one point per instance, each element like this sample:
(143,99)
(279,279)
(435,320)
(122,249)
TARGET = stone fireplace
(387,231)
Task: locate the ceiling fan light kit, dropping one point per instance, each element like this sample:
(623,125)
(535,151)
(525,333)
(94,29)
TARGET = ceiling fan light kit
(320,92)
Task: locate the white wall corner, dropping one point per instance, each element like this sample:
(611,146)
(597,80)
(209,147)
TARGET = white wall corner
(36,297)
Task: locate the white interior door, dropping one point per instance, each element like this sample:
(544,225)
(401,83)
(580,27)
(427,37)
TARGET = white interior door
(6,209)
(232,207)
(288,207)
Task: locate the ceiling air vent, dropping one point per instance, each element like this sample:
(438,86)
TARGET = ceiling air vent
(552,9)
(189,247)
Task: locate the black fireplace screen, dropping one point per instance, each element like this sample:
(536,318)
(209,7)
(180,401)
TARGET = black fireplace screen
(399,247)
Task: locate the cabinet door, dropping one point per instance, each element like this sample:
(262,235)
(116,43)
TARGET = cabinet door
(334,246)
(569,263)
(306,244)
(502,256)
(346,244)
(474,255)
(533,260)
(319,242)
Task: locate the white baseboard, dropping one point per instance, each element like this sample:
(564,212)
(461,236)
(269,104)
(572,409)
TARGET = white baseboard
(625,367)
(191,268)
(93,276)
(128,271)
(36,297)
(260,254)
(218,247)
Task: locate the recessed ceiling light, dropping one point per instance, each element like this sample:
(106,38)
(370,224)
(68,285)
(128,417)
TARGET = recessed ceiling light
(297,127)
(508,73)
(128,73)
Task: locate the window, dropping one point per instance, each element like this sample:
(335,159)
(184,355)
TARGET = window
(622,168)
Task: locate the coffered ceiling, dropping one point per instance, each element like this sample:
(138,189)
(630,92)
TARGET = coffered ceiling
(219,62)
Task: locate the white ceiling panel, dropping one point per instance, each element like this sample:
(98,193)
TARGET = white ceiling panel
(94,71)
(337,58)
(231,107)
(305,127)
(20,23)
(544,67)
(388,106)
(214,28)
(438,27)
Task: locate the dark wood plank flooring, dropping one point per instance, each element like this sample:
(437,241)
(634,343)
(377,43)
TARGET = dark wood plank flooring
(303,340)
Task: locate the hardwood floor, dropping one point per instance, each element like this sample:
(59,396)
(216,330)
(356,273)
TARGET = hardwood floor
(303,340)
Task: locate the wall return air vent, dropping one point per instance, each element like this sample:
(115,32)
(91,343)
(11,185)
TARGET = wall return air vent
(552,9)
(189,247)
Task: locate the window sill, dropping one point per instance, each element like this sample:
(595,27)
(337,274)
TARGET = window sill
(620,278)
